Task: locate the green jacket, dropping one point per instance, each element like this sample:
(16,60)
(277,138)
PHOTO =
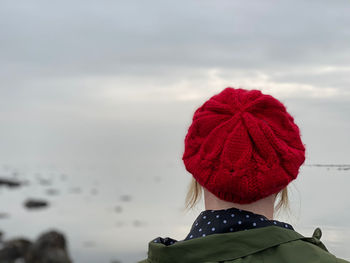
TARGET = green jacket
(270,244)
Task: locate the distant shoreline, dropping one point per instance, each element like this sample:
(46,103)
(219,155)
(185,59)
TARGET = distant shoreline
(329,165)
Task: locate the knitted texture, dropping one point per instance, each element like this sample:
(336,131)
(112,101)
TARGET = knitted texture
(243,146)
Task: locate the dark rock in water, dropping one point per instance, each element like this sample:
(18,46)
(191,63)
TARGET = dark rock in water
(157,179)
(14,249)
(44,182)
(137,223)
(10,182)
(34,204)
(52,191)
(4,215)
(125,198)
(75,190)
(50,247)
(118,209)
(94,191)
(89,244)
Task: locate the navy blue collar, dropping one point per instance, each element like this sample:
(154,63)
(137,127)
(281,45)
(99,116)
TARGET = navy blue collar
(223,221)
(229,220)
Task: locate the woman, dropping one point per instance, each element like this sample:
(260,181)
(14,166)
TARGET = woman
(243,149)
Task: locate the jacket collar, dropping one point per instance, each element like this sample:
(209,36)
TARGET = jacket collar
(221,247)
(229,220)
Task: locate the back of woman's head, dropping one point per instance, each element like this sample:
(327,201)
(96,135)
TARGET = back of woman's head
(242,146)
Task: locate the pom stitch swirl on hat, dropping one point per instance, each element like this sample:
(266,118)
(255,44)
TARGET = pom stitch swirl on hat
(243,146)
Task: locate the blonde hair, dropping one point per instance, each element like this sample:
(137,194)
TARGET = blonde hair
(195,190)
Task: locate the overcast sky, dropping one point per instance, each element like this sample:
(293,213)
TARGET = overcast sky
(114,84)
(105,80)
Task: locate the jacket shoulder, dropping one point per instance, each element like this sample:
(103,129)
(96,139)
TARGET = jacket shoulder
(301,251)
(295,251)
(339,260)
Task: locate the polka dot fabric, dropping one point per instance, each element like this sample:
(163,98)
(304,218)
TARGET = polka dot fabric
(243,146)
(229,220)
(211,222)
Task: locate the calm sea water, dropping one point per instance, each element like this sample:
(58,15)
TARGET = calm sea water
(108,214)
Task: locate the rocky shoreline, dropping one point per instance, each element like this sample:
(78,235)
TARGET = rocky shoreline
(49,247)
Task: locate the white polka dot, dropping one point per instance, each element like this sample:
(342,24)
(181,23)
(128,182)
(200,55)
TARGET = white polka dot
(254,224)
(224,221)
(155,241)
(275,222)
(209,222)
(232,215)
(213,229)
(261,219)
(231,229)
(239,222)
(200,230)
(203,235)
(217,216)
(286,225)
(172,242)
(204,217)
(196,224)
(191,236)
(247,216)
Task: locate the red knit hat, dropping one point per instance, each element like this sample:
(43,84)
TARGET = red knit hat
(243,146)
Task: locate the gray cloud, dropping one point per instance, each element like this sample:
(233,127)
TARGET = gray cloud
(95,62)
(119,36)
